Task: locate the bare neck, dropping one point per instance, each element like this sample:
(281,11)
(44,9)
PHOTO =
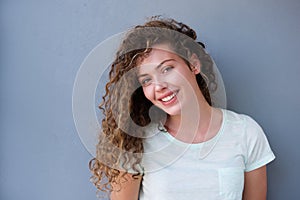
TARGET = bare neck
(195,125)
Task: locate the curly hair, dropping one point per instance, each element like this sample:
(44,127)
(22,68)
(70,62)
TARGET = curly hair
(124,106)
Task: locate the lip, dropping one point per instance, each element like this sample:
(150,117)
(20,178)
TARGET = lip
(167,95)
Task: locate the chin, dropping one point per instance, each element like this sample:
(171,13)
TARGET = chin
(172,112)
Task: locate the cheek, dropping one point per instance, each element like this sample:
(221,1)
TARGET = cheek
(186,78)
(148,93)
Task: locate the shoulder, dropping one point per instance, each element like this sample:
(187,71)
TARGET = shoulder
(242,120)
(235,117)
(242,126)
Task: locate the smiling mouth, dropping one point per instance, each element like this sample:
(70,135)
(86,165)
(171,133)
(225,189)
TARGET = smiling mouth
(169,98)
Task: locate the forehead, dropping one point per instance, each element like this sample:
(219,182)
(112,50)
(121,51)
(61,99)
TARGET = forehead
(153,60)
(158,54)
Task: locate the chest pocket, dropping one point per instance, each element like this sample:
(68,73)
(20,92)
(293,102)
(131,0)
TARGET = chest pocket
(231,182)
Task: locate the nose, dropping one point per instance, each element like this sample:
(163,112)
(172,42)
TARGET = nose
(160,85)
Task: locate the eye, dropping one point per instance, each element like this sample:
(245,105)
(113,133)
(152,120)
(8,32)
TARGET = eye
(145,82)
(166,69)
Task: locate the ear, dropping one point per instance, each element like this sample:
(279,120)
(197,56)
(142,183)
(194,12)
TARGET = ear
(195,64)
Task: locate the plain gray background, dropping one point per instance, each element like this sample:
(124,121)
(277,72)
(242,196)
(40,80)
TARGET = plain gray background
(255,44)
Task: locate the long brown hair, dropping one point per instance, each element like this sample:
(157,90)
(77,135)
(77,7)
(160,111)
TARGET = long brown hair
(124,106)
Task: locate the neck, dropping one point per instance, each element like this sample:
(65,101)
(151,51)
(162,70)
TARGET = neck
(192,125)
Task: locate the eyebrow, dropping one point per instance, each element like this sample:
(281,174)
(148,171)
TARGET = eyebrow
(158,66)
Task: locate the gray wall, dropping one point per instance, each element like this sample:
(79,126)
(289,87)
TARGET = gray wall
(255,44)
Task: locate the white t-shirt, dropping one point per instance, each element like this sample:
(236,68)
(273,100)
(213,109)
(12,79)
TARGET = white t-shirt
(212,170)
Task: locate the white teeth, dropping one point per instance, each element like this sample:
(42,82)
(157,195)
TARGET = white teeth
(168,98)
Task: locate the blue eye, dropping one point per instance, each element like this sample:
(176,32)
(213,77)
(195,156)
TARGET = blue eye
(166,69)
(145,82)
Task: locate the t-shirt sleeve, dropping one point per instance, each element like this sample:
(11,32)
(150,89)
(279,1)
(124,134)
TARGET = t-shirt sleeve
(259,152)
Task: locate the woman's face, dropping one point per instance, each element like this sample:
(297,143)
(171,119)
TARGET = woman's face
(167,80)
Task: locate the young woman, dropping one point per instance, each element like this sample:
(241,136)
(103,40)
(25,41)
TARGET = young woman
(162,138)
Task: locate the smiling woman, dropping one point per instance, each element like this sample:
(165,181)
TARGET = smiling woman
(165,78)
(162,137)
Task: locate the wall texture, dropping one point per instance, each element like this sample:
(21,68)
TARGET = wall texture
(255,44)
